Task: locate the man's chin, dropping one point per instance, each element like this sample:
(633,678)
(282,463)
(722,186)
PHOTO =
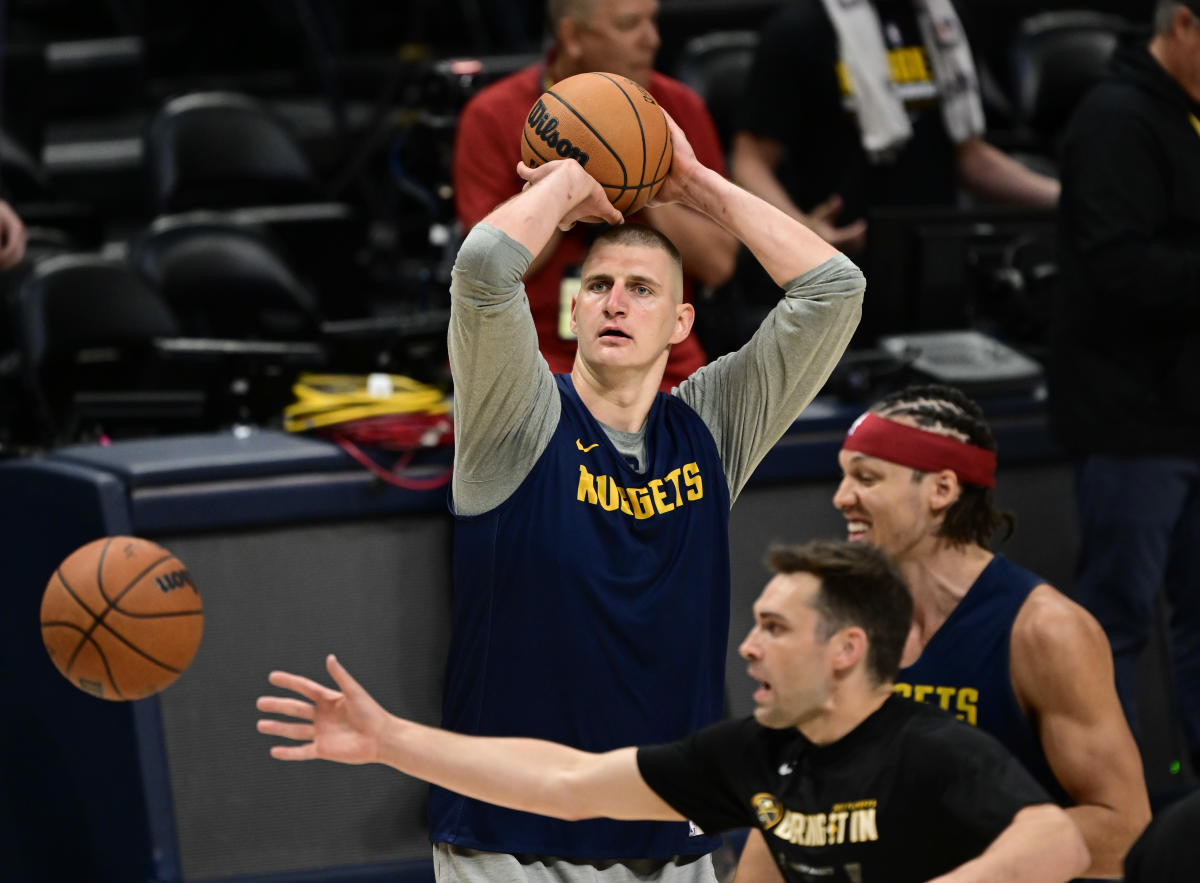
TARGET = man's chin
(640,75)
(770,718)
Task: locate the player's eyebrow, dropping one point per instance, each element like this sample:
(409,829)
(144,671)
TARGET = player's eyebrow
(635,279)
(761,616)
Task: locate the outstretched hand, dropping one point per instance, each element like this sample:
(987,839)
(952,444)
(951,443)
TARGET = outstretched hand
(587,198)
(342,726)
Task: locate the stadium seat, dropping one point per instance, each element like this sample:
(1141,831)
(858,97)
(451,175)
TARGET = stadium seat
(225,280)
(224,150)
(84,322)
(1055,57)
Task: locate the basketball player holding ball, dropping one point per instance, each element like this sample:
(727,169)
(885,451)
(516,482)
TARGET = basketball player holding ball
(591,553)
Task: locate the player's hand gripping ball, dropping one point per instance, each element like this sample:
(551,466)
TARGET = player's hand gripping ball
(612,126)
(121,618)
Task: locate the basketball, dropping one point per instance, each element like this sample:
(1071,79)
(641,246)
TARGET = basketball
(121,618)
(612,126)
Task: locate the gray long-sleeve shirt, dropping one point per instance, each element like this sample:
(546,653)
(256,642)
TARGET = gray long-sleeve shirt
(506,405)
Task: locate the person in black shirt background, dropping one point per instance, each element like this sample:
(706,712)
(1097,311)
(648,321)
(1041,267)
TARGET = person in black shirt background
(807,141)
(1124,374)
(849,782)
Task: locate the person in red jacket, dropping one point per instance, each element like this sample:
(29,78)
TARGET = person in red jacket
(619,36)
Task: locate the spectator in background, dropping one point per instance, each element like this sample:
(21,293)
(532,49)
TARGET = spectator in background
(619,36)
(1125,372)
(915,128)
(12,237)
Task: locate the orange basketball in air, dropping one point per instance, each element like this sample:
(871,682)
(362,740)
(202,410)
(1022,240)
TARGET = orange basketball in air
(612,126)
(121,618)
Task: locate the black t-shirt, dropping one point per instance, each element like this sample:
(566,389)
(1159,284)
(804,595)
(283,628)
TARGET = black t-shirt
(795,96)
(909,794)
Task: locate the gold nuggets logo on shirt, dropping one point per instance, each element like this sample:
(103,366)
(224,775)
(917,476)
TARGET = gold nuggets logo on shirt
(767,809)
(962,701)
(660,495)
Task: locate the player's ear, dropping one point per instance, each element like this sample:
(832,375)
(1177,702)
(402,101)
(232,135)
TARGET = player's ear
(849,647)
(685,316)
(574,324)
(566,37)
(945,489)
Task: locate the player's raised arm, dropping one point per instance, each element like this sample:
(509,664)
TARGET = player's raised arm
(348,726)
(556,196)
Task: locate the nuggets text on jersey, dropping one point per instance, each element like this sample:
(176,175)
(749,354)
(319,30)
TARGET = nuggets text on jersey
(659,496)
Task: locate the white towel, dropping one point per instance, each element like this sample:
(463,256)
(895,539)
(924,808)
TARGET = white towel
(882,119)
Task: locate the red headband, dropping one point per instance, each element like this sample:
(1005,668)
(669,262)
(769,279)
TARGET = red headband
(920,449)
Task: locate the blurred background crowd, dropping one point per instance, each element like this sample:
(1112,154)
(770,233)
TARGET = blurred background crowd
(215,196)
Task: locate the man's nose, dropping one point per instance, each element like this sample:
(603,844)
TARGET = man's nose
(615,303)
(748,649)
(843,497)
(650,36)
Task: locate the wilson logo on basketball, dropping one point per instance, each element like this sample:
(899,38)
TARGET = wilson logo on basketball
(176,579)
(546,128)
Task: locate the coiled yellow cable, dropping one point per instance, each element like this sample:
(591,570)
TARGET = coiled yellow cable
(329,399)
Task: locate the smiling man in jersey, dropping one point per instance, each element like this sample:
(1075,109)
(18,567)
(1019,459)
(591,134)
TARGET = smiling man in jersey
(991,642)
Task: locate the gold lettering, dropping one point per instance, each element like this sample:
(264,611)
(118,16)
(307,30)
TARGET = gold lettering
(639,499)
(856,804)
(660,498)
(862,826)
(609,493)
(904,690)
(921,691)
(587,486)
(641,502)
(784,829)
(673,477)
(815,835)
(968,699)
(837,827)
(944,695)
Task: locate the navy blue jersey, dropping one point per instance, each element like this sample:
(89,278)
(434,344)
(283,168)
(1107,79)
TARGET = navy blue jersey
(965,666)
(591,608)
